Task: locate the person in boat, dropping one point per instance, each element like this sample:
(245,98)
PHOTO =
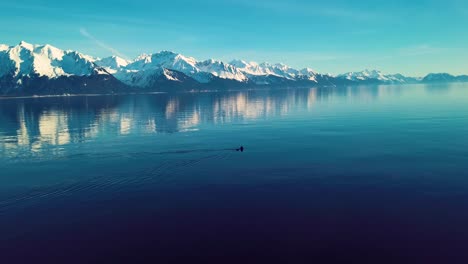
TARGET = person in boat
(241,149)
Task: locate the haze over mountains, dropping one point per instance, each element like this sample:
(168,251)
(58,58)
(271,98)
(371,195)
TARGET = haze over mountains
(27,69)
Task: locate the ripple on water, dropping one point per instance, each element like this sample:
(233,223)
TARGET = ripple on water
(159,174)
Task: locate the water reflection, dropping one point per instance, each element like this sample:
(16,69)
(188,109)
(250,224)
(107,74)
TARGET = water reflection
(38,123)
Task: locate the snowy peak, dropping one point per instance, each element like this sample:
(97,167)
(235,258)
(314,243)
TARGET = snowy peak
(376,76)
(166,60)
(4,47)
(156,70)
(363,75)
(25,45)
(265,69)
(112,64)
(251,68)
(239,63)
(284,70)
(149,65)
(221,70)
(27,59)
(308,71)
(49,52)
(308,74)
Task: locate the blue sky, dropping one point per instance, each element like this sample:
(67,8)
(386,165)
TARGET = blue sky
(410,37)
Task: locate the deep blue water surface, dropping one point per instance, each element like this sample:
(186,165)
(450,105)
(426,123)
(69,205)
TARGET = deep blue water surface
(375,174)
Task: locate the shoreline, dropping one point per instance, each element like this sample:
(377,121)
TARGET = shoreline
(182,92)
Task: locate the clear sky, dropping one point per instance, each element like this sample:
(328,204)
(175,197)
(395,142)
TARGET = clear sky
(413,37)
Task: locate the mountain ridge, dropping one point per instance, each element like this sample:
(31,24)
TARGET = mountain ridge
(26,67)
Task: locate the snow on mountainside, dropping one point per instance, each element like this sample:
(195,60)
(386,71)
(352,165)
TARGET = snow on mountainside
(253,68)
(4,47)
(27,69)
(112,64)
(375,76)
(221,70)
(147,67)
(164,59)
(281,70)
(309,74)
(29,60)
(44,66)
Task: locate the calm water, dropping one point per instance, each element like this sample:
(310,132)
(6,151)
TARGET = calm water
(375,174)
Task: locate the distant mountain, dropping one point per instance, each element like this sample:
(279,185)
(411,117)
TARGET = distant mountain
(444,78)
(253,70)
(438,77)
(377,77)
(27,69)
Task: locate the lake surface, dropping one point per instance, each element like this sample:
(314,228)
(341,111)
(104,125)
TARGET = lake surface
(368,174)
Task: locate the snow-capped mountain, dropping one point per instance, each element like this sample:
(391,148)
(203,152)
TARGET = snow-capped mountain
(309,74)
(26,59)
(27,68)
(44,69)
(264,69)
(221,70)
(145,68)
(374,76)
(256,71)
(164,60)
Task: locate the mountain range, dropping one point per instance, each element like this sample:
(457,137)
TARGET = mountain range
(27,69)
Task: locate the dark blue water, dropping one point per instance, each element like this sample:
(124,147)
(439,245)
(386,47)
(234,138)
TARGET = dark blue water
(328,175)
